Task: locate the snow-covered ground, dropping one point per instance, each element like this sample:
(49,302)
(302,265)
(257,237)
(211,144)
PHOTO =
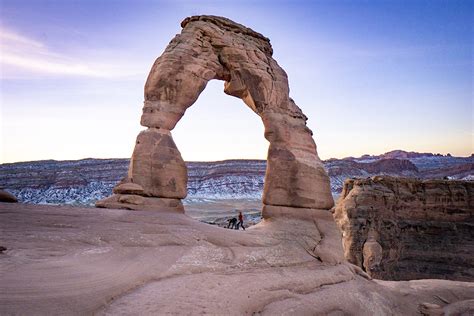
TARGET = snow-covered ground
(83,182)
(85,195)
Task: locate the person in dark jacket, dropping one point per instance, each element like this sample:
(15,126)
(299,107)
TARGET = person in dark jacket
(232,223)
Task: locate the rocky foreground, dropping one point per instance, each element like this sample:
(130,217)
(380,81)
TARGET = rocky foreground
(64,260)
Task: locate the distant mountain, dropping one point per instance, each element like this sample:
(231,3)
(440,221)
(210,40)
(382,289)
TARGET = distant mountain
(401,154)
(82,182)
(341,169)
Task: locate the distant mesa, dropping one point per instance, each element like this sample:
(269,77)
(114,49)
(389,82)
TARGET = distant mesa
(401,154)
(83,182)
(211,47)
(398,154)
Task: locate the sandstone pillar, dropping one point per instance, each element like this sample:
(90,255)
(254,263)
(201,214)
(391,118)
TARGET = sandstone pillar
(157,175)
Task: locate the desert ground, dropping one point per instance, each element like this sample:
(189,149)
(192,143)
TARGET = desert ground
(66,260)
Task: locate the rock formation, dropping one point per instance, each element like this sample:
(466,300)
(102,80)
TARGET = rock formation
(402,229)
(208,48)
(7,197)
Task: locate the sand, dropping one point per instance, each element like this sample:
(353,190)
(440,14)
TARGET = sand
(69,260)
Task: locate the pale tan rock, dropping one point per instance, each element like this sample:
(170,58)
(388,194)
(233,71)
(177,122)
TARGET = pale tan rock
(372,254)
(137,202)
(211,47)
(271,211)
(430,309)
(324,240)
(64,260)
(465,307)
(157,165)
(129,188)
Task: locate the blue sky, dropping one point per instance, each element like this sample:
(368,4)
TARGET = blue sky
(372,76)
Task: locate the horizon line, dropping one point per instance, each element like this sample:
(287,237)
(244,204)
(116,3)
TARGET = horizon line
(230,159)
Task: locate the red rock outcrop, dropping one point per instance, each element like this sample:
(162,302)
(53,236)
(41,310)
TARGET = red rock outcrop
(208,48)
(403,229)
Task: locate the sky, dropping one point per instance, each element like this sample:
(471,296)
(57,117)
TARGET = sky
(371,76)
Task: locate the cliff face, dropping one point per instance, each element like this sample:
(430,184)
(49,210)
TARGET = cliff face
(402,229)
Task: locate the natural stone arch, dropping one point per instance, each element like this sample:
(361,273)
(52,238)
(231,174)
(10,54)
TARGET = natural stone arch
(211,47)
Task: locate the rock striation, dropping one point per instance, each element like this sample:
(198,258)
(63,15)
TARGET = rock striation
(83,182)
(403,229)
(211,47)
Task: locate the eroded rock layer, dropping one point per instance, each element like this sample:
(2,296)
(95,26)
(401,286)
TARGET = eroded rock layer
(208,48)
(403,229)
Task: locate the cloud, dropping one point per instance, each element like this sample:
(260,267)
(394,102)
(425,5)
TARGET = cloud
(20,54)
(49,67)
(10,37)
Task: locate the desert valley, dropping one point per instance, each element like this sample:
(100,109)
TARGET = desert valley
(215,189)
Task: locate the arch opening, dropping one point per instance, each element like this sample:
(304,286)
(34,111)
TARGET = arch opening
(219,127)
(216,48)
(226,160)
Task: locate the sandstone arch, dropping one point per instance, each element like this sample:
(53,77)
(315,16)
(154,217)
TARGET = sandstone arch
(211,47)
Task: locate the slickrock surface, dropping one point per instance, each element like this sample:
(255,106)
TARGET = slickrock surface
(211,47)
(400,229)
(65,260)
